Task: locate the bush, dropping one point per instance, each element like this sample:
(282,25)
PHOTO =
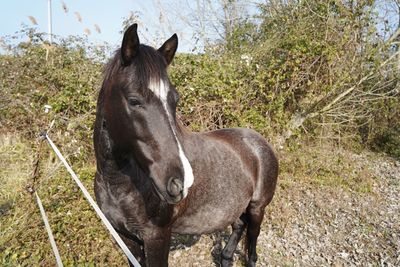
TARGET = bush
(66,76)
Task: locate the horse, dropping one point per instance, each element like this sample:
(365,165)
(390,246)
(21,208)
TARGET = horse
(155,178)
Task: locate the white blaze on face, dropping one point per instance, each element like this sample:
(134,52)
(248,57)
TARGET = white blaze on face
(161,89)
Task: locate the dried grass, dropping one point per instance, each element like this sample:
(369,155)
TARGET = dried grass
(15,166)
(321,214)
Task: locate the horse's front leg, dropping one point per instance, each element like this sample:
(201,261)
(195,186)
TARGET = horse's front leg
(156,246)
(136,249)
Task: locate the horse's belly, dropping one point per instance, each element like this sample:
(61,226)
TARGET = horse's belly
(210,217)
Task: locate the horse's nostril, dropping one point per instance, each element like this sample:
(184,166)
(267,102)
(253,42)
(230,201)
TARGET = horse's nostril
(175,187)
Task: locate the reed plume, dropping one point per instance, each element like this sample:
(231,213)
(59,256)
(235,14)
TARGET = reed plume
(78,16)
(97,28)
(33,20)
(87,31)
(64,7)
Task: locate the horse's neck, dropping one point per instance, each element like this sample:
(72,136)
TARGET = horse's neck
(186,137)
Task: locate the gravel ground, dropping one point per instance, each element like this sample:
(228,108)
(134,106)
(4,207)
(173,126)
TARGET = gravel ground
(311,225)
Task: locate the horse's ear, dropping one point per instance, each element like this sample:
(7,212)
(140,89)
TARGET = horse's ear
(168,49)
(130,45)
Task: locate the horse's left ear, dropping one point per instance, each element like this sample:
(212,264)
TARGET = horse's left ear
(168,49)
(130,45)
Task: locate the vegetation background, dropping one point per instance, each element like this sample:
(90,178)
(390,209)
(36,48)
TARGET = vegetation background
(318,78)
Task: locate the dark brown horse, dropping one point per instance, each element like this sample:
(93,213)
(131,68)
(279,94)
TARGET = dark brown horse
(155,178)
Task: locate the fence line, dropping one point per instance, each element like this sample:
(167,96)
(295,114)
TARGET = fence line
(49,232)
(103,218)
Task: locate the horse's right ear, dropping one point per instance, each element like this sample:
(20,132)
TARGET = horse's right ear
(130,45)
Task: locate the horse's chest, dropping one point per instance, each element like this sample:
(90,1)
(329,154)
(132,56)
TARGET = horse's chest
(119,206)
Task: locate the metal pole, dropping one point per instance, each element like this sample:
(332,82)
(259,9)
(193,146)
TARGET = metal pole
(49,21)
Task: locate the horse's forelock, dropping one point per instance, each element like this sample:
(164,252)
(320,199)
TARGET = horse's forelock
(148,65)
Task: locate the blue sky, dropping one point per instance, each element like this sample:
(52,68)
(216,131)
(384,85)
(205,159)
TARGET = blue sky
(108,15)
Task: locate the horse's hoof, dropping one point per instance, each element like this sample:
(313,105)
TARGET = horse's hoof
(226,263)
(250,264)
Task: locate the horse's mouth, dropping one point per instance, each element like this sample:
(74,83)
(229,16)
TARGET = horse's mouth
(164,196)
(174,200)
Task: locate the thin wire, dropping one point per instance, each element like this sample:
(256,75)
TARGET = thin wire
(108,225)
(48,229)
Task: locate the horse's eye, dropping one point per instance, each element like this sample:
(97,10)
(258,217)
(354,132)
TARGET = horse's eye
(134,102)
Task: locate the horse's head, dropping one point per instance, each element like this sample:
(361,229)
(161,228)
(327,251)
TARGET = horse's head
(139,108)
